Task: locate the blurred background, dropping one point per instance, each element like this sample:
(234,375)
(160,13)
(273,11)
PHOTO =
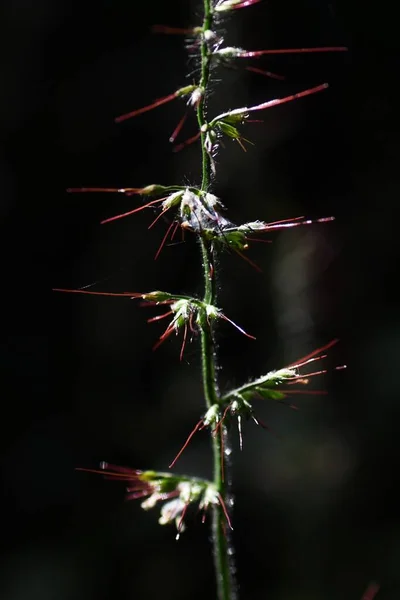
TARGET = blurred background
(316,512)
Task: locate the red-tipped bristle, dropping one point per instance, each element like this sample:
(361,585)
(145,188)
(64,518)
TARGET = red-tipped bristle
(257,53)
(162,213)
(127,191)
(178,128)
(131,212)
(222,504)
(122,476)
(173,30)
(144,109)
(310,360)
(278,101)
(285,221)
(180,524)
(184,342)
(314,353)
(119,469)
(175,230)
(191,140)
(265,73)
(315,373)
(259,240)
(196,428)
(289,223)
(164,240)
(170,329)
(248,260)
(220,422)
(159,317)
(222,456)
(237,327)
(120,295)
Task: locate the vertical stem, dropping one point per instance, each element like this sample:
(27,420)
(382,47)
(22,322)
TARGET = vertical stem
(222,551)
(205,75)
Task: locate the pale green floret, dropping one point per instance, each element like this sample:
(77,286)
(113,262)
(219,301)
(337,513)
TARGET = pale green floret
(229,52)
(240,405)
(212,311)
(212,415)
(286,373)
(252,226)
(185,90)
(210,496)
(181,306)
(171,511)
(151,501)
(172,200)
(190,492)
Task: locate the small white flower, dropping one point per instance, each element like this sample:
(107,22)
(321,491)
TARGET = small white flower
(195,96)
(151,501)
(172,200)
(212,416)
(229,52)
(171,510)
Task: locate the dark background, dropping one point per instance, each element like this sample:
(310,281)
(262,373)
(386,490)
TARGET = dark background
(316,512)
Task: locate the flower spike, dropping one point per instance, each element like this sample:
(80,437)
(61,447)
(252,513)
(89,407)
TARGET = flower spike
(189,314)
(237,237)
(226,123)
(269,386)
(148,190)
(176,492)
(236,403)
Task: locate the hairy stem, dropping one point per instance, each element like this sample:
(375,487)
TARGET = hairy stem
(210,384)
(223,549)
(205,75)
(221,545)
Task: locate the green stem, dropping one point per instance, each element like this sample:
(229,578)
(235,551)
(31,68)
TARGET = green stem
(223,549)
(221,544)
(204,80)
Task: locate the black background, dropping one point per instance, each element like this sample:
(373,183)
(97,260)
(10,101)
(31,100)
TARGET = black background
(316,512)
